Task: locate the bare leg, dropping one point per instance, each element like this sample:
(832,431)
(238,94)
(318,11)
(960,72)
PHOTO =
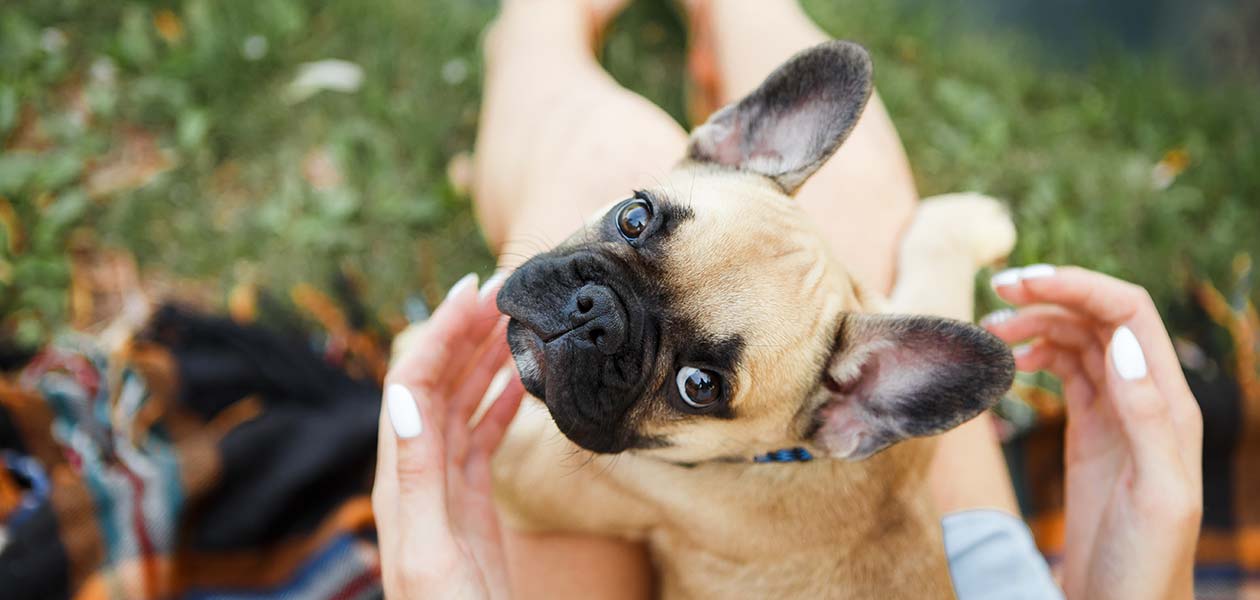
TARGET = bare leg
(864,196)
(863,199)
(558,140)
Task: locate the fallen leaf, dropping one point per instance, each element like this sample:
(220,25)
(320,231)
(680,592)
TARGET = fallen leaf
(168,26)
(29,134)
(320,170)
(332,74)
(243,302)
(13,236)
(134,161)
(1173,163)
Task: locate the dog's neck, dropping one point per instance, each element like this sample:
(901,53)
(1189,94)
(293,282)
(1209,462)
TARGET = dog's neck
(862,516)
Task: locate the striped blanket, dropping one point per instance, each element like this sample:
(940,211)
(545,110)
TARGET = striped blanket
(210,459)
(202,460)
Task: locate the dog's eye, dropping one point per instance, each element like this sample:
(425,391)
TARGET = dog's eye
(633,219)
(699,388)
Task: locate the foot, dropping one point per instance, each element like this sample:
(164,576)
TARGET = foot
(976,225)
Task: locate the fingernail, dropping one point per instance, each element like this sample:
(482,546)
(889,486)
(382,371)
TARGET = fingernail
(1036,271)
(465,282)
(1004,278)
(1021,350)
(404,415)
(997,317)
(1126,354)
(491,285)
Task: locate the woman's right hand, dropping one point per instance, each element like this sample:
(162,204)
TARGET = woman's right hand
(433,497)
(1134,431)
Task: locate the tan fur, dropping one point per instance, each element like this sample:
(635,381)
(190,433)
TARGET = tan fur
(750,263)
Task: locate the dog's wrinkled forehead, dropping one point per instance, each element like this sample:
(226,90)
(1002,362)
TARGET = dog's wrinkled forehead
(746,261)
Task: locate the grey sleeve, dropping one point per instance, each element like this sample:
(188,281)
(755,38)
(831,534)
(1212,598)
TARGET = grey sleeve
(992,556)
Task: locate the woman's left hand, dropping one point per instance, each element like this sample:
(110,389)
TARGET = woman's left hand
(436,522)
(1134,440)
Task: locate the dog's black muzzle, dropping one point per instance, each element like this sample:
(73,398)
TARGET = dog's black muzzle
(582,341)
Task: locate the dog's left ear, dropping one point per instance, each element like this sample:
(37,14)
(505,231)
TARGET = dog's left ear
(891,378)
(793,122)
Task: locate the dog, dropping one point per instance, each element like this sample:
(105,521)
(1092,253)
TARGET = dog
(726,392)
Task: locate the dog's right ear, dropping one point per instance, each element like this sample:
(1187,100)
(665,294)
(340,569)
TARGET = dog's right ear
(790,125)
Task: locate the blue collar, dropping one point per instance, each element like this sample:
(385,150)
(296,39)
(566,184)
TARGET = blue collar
(784,455)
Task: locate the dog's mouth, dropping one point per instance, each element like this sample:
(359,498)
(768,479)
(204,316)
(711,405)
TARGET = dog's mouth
(529,350)
(583,345)
(588,395)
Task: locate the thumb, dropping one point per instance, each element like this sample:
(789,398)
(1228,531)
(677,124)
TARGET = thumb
(1141,409)
(420,462)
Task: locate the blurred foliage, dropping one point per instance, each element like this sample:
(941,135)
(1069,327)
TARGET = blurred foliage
(168,128)
(1128,166)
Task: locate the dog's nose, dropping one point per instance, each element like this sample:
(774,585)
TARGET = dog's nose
(598,318)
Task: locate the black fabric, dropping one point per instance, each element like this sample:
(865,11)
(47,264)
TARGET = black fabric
(312,447)
(33,563)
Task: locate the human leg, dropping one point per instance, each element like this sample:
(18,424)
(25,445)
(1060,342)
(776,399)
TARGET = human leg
(863,198)
(558,138)
(865,195)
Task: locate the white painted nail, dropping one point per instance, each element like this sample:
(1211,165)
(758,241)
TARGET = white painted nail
(1036,271)
(997,317)
(1004,278)
(465,282)
(491,285)
(1126,354)
(1021,350)
(404,415)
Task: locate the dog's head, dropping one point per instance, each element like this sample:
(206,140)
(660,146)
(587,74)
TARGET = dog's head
(706,319)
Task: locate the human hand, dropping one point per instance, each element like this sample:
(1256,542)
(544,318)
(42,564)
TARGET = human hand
(1134,431)
(435,516)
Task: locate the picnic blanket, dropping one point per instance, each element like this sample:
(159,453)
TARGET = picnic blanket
(207,458)
(204,459)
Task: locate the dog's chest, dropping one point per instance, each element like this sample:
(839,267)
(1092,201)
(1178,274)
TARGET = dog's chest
(770,532)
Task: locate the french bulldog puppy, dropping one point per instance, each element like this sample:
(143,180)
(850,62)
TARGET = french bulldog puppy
(725,391)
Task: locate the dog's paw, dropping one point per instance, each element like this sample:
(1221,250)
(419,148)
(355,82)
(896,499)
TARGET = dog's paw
(977,225)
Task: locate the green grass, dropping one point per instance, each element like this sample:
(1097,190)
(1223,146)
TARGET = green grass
(1072,150)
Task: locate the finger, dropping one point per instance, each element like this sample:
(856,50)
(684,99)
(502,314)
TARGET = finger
(1188,425)
(471,389)
(1057,324)
(419,469)
(449,337)
(489,291)
(481,339)
(1042,355)
(1062,328)
(494,424)
(1141,408)
(1179,409)
(384,483)
(1112,302)
(1064,363)
(1094,295)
